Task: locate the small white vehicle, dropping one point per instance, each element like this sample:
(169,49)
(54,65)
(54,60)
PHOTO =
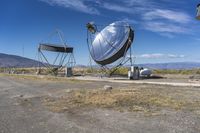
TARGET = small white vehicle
(145,72)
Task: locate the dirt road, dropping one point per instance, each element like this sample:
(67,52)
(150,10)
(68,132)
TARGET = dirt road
(22,110)
(165,81)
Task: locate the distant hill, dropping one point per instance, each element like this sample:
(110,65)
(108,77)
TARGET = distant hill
(16,61)
(22,62)
(175,65)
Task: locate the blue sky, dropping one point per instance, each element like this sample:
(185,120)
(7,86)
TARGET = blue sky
(165,30)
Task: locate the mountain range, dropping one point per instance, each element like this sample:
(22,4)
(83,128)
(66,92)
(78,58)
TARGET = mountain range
(16,61)
(7,60)
(172,65)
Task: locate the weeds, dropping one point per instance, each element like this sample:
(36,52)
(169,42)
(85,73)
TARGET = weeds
(121,100)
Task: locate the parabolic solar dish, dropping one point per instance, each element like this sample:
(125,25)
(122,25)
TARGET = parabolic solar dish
(55,48)
(54,55)
(111,43)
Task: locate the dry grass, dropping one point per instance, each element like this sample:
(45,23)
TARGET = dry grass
(180,72)
(40,77)
(144,100)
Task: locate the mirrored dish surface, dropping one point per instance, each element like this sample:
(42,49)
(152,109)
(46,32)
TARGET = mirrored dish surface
(55,48)
(111,43)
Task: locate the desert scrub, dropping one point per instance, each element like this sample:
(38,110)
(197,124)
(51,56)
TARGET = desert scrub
(144,100)
(184,72)
(42,78)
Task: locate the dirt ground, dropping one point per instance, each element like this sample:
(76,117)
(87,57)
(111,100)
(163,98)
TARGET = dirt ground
(56,106)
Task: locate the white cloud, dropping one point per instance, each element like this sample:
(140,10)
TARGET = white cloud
(79,5)
(162,27)
(175,56)
(141,3)
(130,21)
(174,16)
(197,39)
(169,35)
(128,6)
(167,23)
(147,14)
(136,2)
(117,8)
(153,18)
(159,55)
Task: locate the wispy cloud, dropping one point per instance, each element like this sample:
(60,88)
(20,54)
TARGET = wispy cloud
(159,55)
(151,17)
(197,39)
(173,16)
(168,35)
(175,56)
(163,27)
(156,18)
(117,8)
(79,5)
(147,14)
(128,6)
(167,22)
(136,2)
(148,4)
(130,21)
